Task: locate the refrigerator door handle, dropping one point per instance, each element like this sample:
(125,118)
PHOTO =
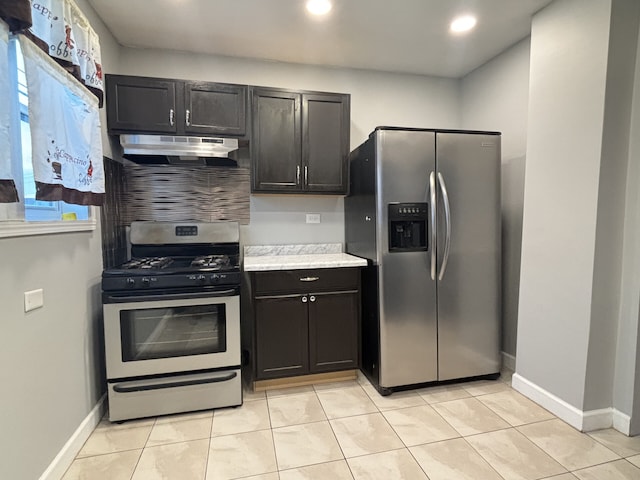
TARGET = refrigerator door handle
(447,216)
(432,211)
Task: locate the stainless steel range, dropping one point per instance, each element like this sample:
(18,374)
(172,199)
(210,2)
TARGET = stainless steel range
(172,321)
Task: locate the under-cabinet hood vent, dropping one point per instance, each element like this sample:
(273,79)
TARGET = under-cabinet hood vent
(179,150)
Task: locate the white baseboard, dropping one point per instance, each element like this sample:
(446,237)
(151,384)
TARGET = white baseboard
(65,457)
(583,421)
(622,422)
(509,361)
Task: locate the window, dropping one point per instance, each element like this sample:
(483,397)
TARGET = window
(32,217)
(35,210)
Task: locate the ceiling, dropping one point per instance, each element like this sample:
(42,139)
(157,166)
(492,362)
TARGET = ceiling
(408,36)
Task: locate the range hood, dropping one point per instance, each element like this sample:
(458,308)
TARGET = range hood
(178,150)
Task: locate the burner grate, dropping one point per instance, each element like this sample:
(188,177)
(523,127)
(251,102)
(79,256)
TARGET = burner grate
(148,263)
(211,261)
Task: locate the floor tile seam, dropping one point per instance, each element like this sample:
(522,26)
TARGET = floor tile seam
(353,415)
(418,463)
(443,401)
(569,467)
(445,420)
(604,445)
(135,467)
(275,454)
(486,460)
(240,433)
(602,463)
(577,431)
(175,442)
(519,424)
(524,396)
(335,437)
(538,447)
(425,443)
(376,453)
(78,457)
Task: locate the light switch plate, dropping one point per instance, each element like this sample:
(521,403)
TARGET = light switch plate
(313,218)
(33,299)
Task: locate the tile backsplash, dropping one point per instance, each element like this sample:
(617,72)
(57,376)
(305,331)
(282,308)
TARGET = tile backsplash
(186,193)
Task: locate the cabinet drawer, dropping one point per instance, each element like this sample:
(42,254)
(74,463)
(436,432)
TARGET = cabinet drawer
(306,281)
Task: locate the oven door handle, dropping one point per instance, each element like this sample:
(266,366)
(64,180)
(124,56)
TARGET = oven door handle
(184,383)
(169,296)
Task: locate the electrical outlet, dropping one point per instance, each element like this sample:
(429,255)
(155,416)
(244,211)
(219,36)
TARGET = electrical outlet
(33,299)
(313,218)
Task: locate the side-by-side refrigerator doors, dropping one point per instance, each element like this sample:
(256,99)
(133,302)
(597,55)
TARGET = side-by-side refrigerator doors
(468,170)
(408,319)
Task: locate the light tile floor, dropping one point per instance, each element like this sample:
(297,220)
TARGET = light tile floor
(481,430)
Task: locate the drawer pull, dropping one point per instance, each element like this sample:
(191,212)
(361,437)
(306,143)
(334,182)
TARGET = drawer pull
(309,279)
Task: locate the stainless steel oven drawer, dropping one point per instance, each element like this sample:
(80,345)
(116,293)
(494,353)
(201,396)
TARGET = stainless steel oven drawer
(174,394)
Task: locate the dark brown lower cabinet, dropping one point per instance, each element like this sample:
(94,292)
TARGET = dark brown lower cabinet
(281,337)
(305,321)
(333,331)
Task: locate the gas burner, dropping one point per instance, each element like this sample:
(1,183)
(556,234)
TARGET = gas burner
(148,263)
(211,261)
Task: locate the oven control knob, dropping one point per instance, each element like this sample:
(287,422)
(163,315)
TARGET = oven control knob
(146,281)
(131,282)
(215,278)
(201,278)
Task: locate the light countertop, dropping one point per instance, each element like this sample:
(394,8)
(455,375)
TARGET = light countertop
(297,257)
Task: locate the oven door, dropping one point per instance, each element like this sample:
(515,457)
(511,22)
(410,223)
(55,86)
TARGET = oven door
(158,334)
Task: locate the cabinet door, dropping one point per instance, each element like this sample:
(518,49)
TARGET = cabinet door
(214,108)
(275,146)
(281,336)
(333,331)
(140,104)
(325,141)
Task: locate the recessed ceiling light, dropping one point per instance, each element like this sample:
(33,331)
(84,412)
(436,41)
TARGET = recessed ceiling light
(318,7)
(463,24)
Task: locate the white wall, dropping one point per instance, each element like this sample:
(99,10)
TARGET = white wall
(627,371)
(495,97)
(51,359)
(377,98)
(607,275)
(569,53)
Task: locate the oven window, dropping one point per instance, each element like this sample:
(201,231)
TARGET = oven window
(172,332)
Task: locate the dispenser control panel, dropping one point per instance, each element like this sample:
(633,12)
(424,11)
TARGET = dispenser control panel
(408,227)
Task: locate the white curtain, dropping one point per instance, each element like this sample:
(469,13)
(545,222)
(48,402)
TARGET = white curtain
(69,38)
(8,192)
(65,133)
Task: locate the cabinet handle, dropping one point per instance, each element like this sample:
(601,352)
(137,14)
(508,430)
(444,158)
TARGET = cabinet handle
(171,122)
(298,175)
(309,279)
(187,117)
(312,298)
(306,179)
(304,299)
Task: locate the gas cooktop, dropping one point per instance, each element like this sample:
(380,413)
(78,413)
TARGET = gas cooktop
(173,256)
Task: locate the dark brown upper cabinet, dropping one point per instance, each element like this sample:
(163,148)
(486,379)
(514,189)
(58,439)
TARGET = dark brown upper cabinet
(180,107)
(300,141)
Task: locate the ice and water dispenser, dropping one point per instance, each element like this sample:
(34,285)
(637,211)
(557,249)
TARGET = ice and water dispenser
(408,227)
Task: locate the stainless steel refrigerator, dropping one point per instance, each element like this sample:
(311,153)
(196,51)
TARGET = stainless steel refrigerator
(424,210)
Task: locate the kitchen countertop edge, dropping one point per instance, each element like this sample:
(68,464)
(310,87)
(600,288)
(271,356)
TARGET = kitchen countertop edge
(301,262)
